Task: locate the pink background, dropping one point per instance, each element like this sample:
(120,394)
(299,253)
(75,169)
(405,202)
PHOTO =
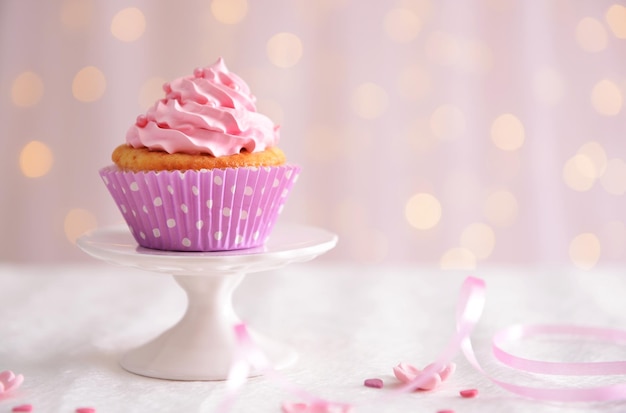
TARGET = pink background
(449,133)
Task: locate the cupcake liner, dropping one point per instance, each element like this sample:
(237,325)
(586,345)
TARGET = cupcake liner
(205,210)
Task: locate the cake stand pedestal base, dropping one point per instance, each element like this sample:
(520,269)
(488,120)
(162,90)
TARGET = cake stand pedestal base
(202,344)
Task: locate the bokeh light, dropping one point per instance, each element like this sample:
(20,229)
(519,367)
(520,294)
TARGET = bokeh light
(476,56)
(77,222)
(414,82)
(151,91)
(584,250)
(422,8)
(579,173)
(501,208)
(77,14)
(479,238)
(36,159)
(591,35)
(402,25)
(423,211)
(507,132)
(284,49)
(606,98)
(322,143)
(89,84)
(229,11)
(420,136)
(128,24)
(614,178)
(596,154)
(27,89)
(616,19)
(447,122)
(458,259)
(369,100)
(443,48)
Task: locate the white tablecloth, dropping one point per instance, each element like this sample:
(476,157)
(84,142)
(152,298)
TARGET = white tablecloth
(65,327)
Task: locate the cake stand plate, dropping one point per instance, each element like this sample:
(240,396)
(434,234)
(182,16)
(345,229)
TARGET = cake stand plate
(202,345)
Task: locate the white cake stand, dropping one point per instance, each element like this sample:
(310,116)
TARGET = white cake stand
(201,345)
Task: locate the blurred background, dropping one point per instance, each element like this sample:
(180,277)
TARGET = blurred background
(448,133)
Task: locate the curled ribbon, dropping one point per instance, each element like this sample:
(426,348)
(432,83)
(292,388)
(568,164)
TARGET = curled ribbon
(469,310)
(471,303)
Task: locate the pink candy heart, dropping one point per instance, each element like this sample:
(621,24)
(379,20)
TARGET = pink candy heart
(406,373)
(9,381)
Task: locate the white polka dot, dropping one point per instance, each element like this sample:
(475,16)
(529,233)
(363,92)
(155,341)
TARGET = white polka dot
(199,224)
(285,192)
(243,215)
(262,190)
(145,209)
(170,189)
(233,189)
(259,211)
(288,174)
(184,208)
(157,201)
(186,242)
(267,168)
(280,208)
(276,182)
(134,186)
(248,191)
(255,235)
(134,213)
(123,190)
(156,232)
(171,223)
(295,178)
(195,190)
(123,208)
(142,235)
(226,211)
(218,235)
(238,239)
(218,180)
(106,180)
(209,203)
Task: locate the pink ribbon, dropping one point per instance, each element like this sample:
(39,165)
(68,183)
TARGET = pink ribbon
(469,310)
(471,303)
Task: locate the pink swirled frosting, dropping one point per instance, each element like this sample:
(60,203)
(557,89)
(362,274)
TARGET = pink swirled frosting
(211,112)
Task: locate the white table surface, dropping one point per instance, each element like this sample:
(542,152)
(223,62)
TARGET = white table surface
(65,326)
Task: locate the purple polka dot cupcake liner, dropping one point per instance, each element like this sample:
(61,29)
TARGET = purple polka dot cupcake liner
(205,210)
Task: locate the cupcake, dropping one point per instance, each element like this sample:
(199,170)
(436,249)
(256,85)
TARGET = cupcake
(201,169)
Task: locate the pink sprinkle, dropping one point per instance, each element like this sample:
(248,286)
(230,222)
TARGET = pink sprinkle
(375,383)
(85,410)
(141,121)
(23,408)
(469,393)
